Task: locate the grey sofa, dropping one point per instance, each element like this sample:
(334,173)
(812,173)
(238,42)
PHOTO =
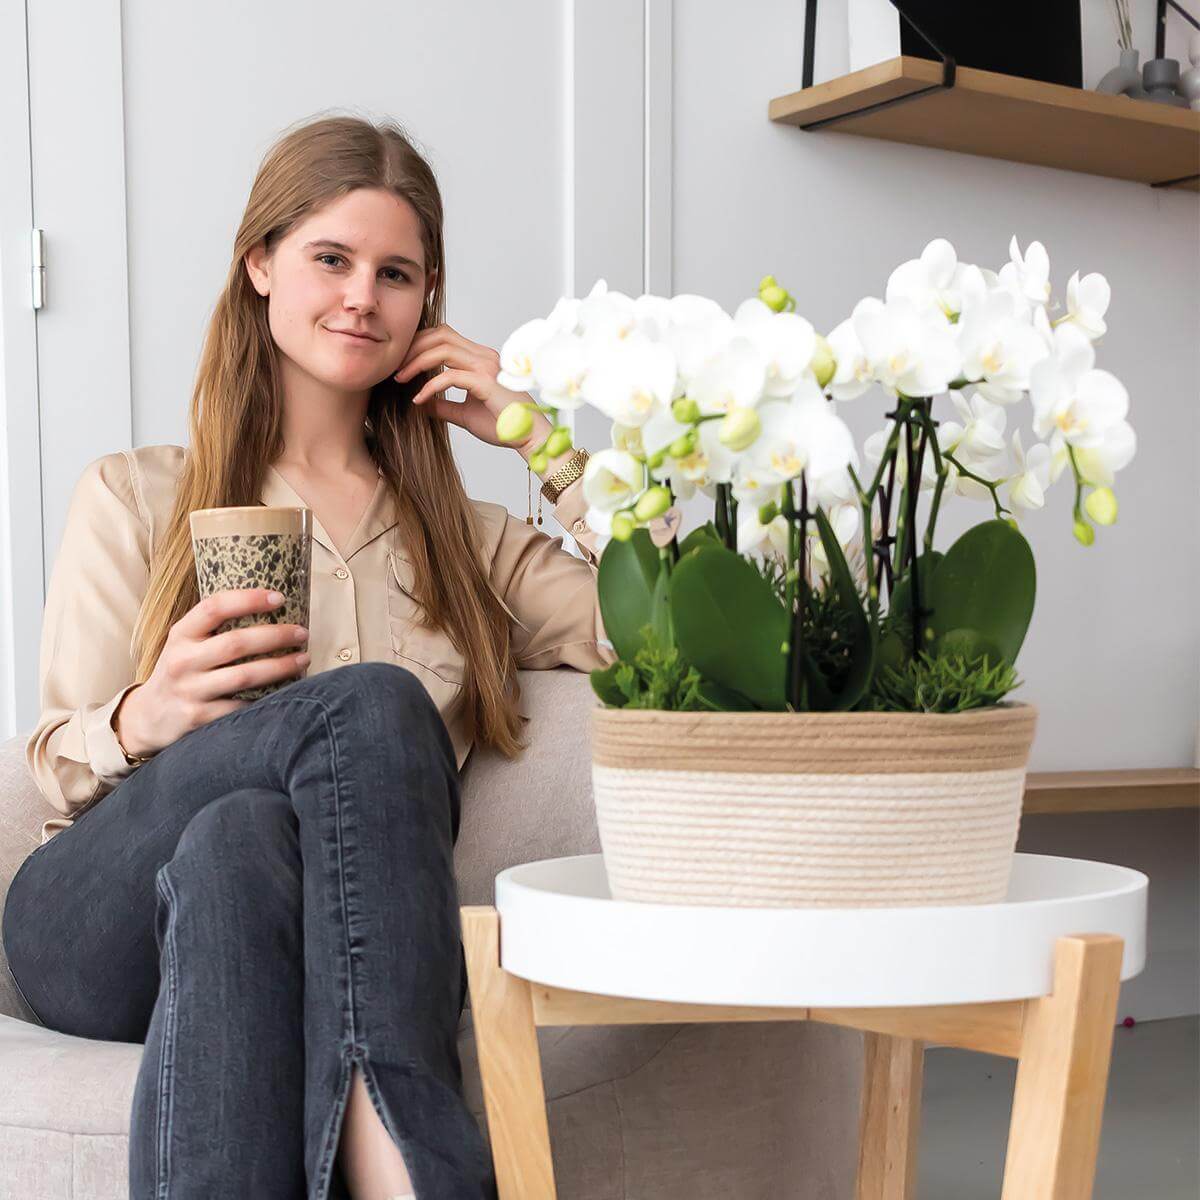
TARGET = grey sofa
(738,1111)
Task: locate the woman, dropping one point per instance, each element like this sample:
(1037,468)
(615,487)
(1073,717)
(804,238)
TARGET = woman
(264,892)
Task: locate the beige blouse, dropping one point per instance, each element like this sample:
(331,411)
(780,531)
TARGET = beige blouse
(361,610)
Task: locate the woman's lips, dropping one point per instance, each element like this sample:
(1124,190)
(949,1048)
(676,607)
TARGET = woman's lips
(354,337)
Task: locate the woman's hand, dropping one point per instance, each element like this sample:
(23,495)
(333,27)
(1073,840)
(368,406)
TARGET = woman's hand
(191,683)
(469,366)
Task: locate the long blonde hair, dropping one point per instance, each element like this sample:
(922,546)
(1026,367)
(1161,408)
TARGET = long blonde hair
(235,421)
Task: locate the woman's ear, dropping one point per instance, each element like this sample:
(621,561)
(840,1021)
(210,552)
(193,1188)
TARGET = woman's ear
(430,283)
(257,267)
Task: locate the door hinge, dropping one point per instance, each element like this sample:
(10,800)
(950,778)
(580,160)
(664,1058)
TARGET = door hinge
(38,248)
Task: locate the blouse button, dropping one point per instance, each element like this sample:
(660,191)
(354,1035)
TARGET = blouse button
(341,572)
(579,526)
(344,653)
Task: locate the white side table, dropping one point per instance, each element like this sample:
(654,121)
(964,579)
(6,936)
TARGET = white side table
(1034,978)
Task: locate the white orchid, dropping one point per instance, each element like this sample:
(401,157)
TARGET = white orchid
(752,534)
(755,418)
(786,342)
(604,315)
(518,352)
(981,432)
(1097,464)
(852,374)
(936,280)
(734,377)
(999,348)
(798,434)
(910,351)
(1027,276)
(1072,397)
(1027,488)
(560,365)
(612,479)
(1087,302)
(846,521)
(631,379)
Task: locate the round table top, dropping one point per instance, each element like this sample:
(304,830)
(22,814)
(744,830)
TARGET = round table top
(559,926)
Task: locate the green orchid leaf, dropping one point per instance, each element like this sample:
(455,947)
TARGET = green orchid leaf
(986,583)
(729,624)
(702,535)
(722,699)
(626,579)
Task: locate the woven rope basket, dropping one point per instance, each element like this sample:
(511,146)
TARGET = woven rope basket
(790,809)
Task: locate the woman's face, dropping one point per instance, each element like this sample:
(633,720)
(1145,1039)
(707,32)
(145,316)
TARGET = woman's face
(358,265)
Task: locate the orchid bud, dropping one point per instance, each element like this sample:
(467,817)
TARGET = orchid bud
(653,502)
(774,297)
(1085,535)
(558,442)
(823,363)
(685,410)
(657,459)
(515,422)
(768,512)
(766,281)
(539,462)
(622,526)
(681,447)
(739,428)
(1101,506)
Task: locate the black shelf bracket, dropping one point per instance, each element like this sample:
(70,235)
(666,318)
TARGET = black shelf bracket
(810,44)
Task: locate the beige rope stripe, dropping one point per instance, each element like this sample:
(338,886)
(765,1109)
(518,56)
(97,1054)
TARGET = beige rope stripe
(985,739)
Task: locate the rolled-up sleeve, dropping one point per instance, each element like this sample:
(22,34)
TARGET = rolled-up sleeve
(99,578)
(551,593)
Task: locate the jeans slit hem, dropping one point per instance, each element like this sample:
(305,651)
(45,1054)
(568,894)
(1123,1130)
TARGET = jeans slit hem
(333,1137)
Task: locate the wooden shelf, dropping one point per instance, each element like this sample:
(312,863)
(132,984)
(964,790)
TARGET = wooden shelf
(1111,791)
(1003,116)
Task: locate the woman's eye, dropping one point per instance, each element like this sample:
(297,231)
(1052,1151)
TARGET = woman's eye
(338,258)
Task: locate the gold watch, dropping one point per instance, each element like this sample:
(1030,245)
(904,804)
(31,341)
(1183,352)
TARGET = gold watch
(570,471)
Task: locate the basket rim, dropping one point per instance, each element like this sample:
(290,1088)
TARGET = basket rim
(1012,708)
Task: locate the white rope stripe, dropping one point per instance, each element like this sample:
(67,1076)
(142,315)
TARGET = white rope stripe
(805,838)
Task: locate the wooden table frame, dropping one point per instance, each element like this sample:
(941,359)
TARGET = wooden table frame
(1062,1043)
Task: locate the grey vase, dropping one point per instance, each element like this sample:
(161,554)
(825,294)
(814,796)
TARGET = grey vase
(1160,78)
(1124,79)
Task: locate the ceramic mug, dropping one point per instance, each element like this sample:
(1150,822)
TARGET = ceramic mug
(251,547)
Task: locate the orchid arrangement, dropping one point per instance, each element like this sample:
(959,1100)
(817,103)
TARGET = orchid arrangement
(817,585)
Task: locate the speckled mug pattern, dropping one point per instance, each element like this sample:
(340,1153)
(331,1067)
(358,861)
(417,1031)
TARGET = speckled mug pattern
(282,561)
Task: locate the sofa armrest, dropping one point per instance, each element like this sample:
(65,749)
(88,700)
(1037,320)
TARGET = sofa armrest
(22,811)
(540,804)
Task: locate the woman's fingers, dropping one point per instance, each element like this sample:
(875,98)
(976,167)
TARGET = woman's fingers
(442,345)
(443,380)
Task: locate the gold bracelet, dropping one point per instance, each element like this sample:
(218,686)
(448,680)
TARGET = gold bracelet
(570,471)
(134,760)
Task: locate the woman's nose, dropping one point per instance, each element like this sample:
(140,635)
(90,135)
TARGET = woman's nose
(360,291)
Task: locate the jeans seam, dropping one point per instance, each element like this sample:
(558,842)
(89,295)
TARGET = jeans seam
(166,1064)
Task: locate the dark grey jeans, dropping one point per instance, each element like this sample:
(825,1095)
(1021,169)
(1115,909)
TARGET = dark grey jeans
(267,902)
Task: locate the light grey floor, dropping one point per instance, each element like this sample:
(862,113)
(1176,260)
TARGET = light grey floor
(1148,1141)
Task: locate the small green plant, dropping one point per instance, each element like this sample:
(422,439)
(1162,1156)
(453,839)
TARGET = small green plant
(657,677)
(945,683)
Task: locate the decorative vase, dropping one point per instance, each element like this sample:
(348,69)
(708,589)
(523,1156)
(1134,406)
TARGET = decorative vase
(1124,79)
(1160,78)
(810,809)
(1189,83)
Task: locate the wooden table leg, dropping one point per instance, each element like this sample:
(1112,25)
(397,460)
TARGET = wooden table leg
(890,1121)
(1062,1073)
(510,1067)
